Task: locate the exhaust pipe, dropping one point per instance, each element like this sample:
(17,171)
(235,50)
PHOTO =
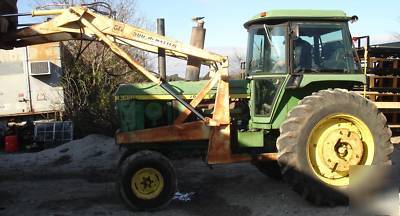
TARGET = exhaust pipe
(197,40)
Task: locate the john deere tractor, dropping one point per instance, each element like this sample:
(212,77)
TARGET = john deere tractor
(295,101)
(293,115)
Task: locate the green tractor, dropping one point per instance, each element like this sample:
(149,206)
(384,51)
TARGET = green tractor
(293,115)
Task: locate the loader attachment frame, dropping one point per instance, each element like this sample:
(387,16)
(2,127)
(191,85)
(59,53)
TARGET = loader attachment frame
(81,23)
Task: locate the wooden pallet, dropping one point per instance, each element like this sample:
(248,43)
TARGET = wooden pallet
(383,78)
(384,94)
(382,82)
(389,107)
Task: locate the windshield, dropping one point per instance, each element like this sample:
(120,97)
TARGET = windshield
(320,47)
(266,50)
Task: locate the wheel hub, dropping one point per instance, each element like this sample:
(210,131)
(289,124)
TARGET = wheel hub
(147,183)
(342,149)
(335,144)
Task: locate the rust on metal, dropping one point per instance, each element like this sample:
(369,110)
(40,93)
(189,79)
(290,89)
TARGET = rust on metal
(31,113)
(267,157)
(196,101)
(184,132)
(44,52)
(219,147)
(221,110)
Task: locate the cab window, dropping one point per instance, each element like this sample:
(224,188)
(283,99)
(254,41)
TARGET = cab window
(267,49)
(319,48)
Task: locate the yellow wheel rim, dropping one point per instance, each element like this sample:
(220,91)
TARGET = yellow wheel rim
(336,143)
(147,183)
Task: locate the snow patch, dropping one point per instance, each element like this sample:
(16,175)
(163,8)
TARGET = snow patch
(91,152)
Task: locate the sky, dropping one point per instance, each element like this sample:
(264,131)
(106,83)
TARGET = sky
(224,18)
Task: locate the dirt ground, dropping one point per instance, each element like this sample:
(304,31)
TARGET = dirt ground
(67,185)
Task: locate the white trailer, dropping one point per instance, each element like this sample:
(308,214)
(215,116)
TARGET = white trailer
(30,85)
(30,80)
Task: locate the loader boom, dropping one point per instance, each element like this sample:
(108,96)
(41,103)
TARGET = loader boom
(81,23)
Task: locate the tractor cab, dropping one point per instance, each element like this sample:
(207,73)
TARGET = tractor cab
(293,48)
(284,41)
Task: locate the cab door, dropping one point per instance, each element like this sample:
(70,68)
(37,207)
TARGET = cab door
(267,67)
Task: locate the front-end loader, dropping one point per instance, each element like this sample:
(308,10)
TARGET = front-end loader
(293,116)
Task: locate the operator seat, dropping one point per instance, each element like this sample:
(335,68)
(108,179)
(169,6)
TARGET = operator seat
(335,57)
(302,55)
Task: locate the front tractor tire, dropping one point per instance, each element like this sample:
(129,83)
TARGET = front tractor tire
(147,181)
(323,136)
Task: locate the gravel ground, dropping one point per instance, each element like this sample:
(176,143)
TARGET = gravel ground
(72,180)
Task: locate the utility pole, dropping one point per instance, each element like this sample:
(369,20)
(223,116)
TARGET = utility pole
(161,52)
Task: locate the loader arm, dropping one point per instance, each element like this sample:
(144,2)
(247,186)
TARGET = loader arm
(81,23)
(70,21)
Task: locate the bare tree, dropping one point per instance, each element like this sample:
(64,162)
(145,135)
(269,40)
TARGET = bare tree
(236,59)
(92,73)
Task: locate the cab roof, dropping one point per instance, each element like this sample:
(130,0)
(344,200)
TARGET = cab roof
(297,14)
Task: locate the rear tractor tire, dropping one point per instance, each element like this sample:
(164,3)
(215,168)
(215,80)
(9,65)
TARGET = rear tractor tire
(323,136)
(147,181)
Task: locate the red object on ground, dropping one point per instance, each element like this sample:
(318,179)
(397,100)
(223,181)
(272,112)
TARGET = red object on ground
(11,144)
